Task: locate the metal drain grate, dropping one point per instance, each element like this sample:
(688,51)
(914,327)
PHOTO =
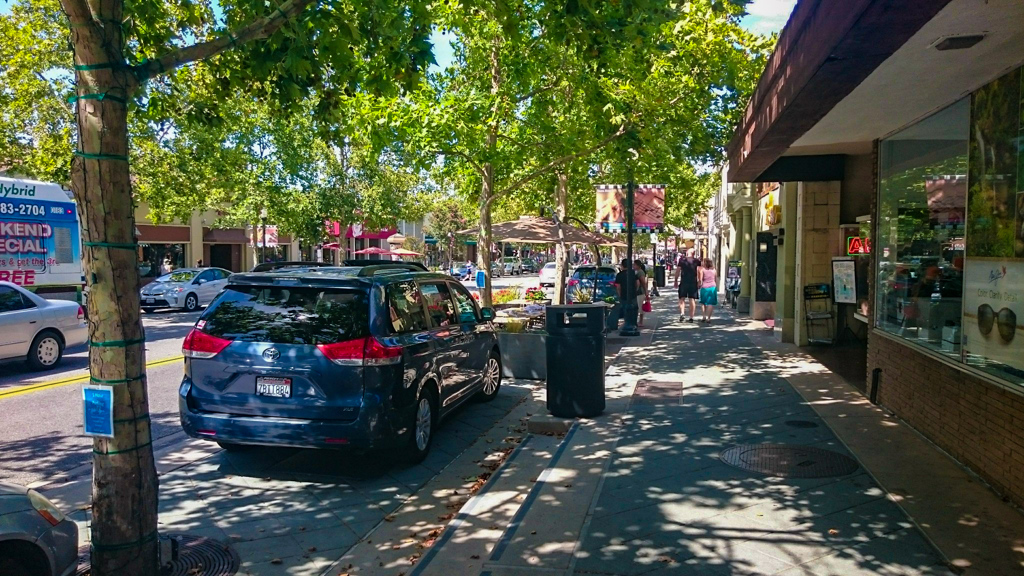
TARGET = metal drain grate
(801,424)
(197,556)
(789,461)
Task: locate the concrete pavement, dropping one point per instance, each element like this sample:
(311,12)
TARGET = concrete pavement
(643,489)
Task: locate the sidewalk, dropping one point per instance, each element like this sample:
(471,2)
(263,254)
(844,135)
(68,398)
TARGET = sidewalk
(643,489)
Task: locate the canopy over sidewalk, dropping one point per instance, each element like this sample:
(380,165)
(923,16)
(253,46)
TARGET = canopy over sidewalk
(536,230)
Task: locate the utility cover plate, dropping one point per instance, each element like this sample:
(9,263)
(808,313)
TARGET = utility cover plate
(789,461)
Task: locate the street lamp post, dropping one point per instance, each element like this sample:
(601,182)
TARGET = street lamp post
(629,325)
(263,220)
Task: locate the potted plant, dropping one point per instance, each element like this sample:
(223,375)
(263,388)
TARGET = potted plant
(523,353)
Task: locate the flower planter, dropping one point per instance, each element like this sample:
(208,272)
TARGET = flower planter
(523,355)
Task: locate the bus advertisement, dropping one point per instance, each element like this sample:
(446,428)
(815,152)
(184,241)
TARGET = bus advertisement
(40,247)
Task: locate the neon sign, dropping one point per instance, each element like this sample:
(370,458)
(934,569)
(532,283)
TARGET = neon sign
(858,246)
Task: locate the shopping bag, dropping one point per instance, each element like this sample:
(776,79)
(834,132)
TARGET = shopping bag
(647,305)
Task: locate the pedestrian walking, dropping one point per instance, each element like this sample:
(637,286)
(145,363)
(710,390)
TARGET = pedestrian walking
(686,279)
(643,298)
(708,289)
(612,322)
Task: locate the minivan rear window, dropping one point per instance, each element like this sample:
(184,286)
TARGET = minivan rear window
(288,315)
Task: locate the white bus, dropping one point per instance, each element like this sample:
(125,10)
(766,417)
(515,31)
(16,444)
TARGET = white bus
(40,244)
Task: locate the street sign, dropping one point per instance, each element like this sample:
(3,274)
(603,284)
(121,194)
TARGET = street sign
(98,411)
(654,238)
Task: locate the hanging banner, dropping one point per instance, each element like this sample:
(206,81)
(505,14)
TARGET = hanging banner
(648,207)
(271,236)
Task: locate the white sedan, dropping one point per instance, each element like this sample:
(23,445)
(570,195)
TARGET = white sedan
(187,288)
(38,330)
(547,274)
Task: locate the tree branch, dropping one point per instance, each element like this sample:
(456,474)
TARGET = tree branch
(256,30)
(536,92)
(558,162)
(476,166)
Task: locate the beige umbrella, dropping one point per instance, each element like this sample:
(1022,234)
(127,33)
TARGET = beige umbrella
(536,230)
(404,252)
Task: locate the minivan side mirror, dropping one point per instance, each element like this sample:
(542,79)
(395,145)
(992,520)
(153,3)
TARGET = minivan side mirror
(487,314)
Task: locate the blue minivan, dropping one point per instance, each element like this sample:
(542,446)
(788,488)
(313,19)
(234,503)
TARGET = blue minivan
(364,357)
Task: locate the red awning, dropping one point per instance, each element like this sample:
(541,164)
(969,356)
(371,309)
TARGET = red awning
(225,236)
(151,234)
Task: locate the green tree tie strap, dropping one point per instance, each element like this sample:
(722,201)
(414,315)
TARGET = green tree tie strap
(117,343)
(127,545)
(88,156)
(101,66)
(281,12)
(122,451)
(129,420)
(118,381)
(113,245)
(97,96)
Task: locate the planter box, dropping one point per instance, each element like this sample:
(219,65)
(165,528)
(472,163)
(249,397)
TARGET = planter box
(523,355)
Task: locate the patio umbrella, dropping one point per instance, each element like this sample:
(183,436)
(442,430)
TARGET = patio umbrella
(536,230)
(373,250)
(404,252)
(330,246)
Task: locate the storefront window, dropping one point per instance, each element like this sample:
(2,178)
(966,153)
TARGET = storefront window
(920,245)
(994,295)
(158,259)
(277,253)
(950,246)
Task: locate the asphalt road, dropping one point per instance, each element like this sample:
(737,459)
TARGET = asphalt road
(41,412)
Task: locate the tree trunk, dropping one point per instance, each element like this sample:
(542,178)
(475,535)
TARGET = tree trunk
(487,192)
(561,254)
(124,499)
(483,245)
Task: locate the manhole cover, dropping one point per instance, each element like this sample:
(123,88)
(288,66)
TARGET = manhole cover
(197,556)
(801,424)
(789,461)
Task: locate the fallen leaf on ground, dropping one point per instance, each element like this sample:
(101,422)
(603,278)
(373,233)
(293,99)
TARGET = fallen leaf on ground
(389,518)
(312,549)
(475,557)
(833,531)
(275,561)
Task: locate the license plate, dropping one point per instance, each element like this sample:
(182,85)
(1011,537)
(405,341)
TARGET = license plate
(149,300)
(275,387)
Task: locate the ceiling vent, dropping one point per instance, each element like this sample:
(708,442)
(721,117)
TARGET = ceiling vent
(957,42)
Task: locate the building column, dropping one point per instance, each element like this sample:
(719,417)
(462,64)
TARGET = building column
(745,246)
(195,243)
(785,280)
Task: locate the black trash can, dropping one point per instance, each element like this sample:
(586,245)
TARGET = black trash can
(659,276)
(575,362)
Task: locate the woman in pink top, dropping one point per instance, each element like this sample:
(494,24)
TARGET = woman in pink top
(708,283)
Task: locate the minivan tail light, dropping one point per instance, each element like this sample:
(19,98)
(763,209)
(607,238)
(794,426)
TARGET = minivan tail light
(202,345)
(361,352)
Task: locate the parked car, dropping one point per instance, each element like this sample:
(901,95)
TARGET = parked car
(268,266)
(497,269)
(581,285)
(36,539)
(187,288)
(547,274)
(38,330)
(513,265)
(529,267)
(357,357)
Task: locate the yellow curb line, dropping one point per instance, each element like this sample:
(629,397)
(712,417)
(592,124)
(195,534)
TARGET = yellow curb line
(57,383)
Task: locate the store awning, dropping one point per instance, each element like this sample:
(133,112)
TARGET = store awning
(150,234)
(225,236)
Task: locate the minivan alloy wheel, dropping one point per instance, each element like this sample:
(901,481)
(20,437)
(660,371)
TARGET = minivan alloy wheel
(424,421)
(492,376)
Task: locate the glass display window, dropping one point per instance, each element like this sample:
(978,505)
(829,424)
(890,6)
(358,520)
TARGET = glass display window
(922,214)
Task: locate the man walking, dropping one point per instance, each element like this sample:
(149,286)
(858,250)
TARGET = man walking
(619,308)
(686,275)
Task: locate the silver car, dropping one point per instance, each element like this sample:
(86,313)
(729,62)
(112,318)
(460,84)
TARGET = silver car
(35,536)
(38,330)
(187,288)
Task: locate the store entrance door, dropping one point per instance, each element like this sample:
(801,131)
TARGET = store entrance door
(767,264)
(220,256)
